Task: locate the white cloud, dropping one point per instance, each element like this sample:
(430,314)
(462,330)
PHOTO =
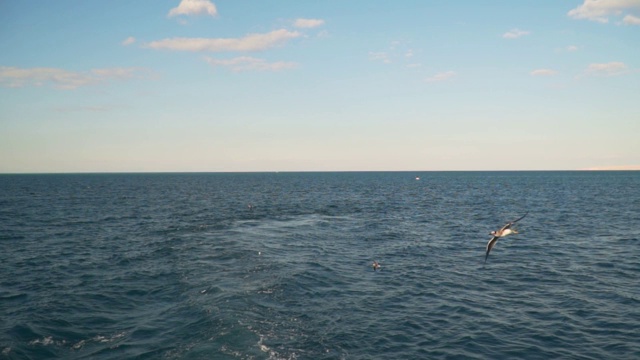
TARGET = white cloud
(194,7)
(572,48)
(443,76)
(607,69)
(631,20)
(515,33)
(247,63)
(308,23)
(251,42)
(60,78)
(128,41)
(543,72)
(601,10)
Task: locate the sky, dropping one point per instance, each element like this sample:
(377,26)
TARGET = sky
(332,85)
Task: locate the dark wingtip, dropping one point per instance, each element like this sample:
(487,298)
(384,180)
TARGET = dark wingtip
(521,217)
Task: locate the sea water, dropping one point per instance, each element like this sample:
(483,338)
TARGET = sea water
(278,266)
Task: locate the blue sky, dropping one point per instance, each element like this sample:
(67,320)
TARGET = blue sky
(197,85)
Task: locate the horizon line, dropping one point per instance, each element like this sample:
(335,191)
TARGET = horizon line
(592,169)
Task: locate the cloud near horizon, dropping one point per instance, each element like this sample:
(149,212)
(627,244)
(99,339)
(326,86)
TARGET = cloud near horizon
(515,33)
(251,42)
(194,7)
(59,78)
(614,168)
(443,76)
(247,63)
(601,10)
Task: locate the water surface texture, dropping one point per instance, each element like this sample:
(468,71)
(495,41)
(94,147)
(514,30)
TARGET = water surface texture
(179,266)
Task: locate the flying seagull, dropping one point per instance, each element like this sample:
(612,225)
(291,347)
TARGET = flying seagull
(504,231)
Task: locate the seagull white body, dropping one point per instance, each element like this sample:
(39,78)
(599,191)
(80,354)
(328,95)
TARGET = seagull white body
(504,231)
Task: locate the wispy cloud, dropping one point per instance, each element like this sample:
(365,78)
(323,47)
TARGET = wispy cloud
(631,20)
(308,23)
(515,33)
(397,52)
(128,41)
(60,78)
(443,76)
(194,7)
(572,48)
(543,72)
(607,69)
(379,56)
(601,10)
(247,63)
(251,42)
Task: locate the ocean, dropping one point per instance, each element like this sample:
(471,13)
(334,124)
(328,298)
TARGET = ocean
(278,266)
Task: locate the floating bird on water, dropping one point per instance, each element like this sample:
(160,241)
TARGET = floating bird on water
(375,265)
(504,231)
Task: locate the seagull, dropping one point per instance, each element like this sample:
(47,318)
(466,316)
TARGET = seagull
(375,265)
(504,231)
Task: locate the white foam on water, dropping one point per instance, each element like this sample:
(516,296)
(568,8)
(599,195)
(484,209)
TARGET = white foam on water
(274,355)
(98,339)
(46,341)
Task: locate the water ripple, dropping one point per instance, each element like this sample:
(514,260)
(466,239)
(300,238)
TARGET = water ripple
(177,266)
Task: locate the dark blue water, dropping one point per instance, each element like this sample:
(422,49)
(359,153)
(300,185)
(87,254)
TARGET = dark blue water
(177,266)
